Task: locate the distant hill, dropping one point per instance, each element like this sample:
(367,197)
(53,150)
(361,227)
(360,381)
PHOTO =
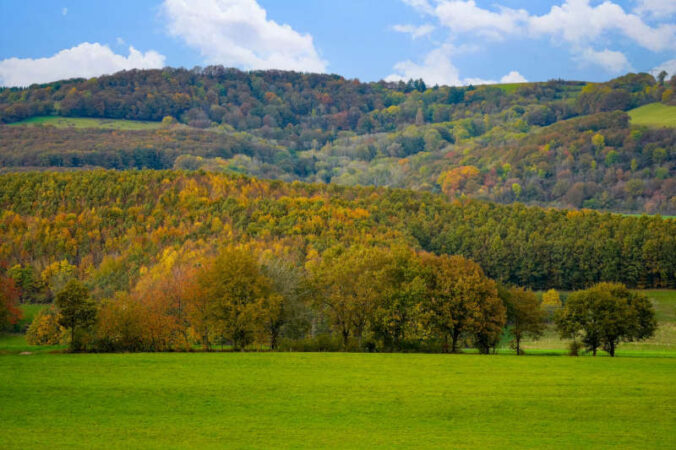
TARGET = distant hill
(557,143)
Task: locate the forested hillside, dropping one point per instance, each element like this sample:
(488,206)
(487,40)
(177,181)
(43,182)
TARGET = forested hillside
(114,227)
(565,144)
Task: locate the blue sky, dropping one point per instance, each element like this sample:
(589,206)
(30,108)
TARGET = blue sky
(441,41)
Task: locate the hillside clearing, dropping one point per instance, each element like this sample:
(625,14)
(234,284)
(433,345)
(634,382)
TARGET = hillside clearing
(654,115)
(83,122)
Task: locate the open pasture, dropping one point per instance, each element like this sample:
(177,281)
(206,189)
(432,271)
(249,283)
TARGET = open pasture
(335,400)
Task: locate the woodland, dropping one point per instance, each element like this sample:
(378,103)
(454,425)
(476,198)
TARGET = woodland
(277,210)
(557,143)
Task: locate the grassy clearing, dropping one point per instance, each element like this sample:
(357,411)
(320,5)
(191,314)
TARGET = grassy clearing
(335,400)
(654,115)
(509,88)
(83,122)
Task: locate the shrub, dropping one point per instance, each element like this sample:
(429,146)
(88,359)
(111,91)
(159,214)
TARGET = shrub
(45,329)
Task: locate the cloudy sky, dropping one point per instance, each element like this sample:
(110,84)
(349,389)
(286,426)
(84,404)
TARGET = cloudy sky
(442,41)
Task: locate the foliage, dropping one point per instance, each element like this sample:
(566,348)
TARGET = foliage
(10,314)
(524,316)
(462,301)
(45,329)
(605,315)
(565,143)
(76,312)
(551,302)
(114,225)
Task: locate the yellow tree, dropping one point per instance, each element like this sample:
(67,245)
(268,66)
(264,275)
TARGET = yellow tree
(460,300)
(236,289)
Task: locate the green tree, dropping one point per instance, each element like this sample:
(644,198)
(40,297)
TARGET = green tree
(77,312)
(347,284)
(605,315)
(524,316)
(397,315)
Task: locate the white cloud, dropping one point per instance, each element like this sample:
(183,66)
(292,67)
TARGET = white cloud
(415,32)
(668,66)
(656,8)
(119,41)
(466,16)
(64,11)
(573,21)
(577,22)
(84,60)
(611,61)
(437,68)
(513,77)
(238,33)
(421,5)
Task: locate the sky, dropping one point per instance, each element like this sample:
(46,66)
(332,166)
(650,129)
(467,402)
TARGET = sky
(446,42)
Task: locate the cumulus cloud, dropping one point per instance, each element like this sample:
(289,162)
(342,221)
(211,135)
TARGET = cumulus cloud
(656,8)
(238,33)
(513,77)
(611,61)
(437,68)
(466,16)
(84,60)
(577,22)
(414,31)
(667,66)
(573,21)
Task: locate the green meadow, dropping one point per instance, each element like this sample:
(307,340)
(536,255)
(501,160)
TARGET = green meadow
(654,115)
(83,122)
(316,400)
(345,400)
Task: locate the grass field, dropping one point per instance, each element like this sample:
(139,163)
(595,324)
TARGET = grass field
(82,122)
(654,115)
(335,400)
(263,400)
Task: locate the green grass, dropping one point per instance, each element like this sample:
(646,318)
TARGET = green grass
(313,400)
(264,400)
(654,115)
(82,122)
(509,88)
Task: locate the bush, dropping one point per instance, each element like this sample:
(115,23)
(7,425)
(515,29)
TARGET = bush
(45,329)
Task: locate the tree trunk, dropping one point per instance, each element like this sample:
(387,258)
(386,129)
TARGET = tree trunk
(454,341)
(611,350)
(273,340)
(346,335)
(594,351)
(518,346)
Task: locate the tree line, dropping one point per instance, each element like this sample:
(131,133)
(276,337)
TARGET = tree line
(351,299)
